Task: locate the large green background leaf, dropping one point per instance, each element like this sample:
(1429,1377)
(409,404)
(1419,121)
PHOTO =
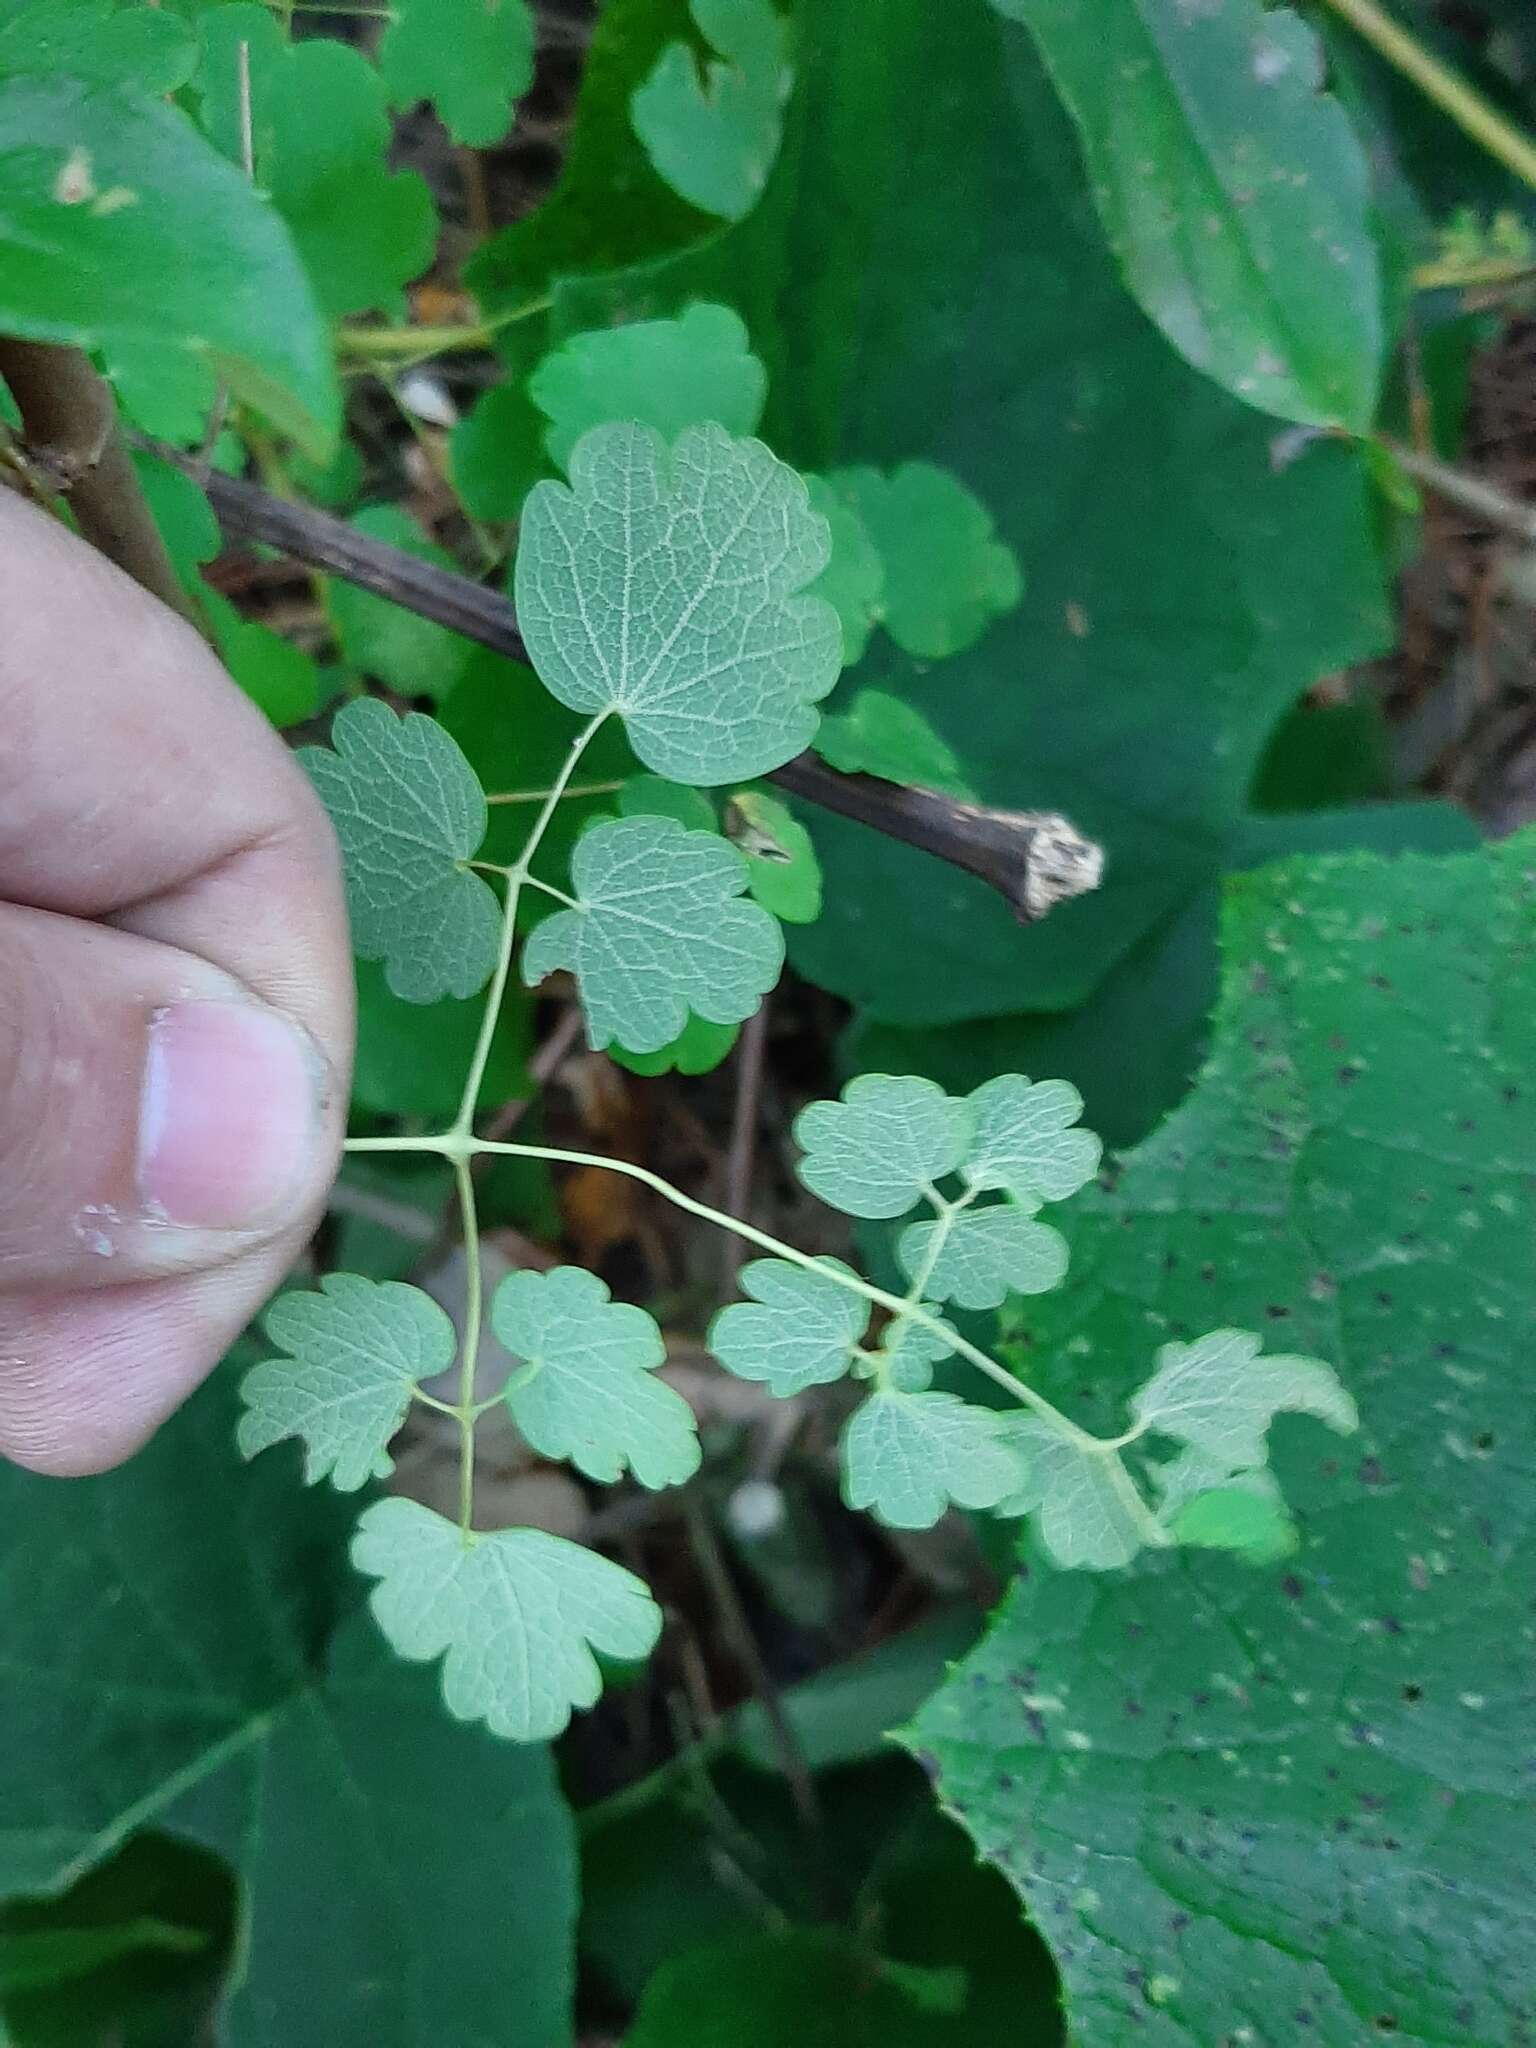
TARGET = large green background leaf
(119,223)
(1235,1797)
(1233,190)
(1187,577)
(181,1648)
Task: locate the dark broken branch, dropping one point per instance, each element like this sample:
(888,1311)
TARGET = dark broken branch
(70,447)
(1035,859)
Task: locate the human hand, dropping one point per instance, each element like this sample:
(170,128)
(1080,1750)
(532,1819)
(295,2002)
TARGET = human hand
(175,1005)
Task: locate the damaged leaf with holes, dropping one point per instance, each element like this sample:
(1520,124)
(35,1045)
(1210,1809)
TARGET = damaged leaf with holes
(1313,1797)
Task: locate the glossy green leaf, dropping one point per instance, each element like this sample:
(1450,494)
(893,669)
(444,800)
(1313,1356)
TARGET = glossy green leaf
(659,930)
(585,1389)
(96,41)
(356,1351)
(516,1616)
(1089,1518)
(384,640)
(496,453)
(875,1151)
(33,1962)
(472,58)
(853,582)
(712,130)
(1370,1687)
(119,224)
(195,1661)
(320,128)
(1168,623)
(879,735)
(1247,1516)
(1232,189)
(409,813)
(698,1048)
(816,1987)
(667,374)
(983,1256)
(652,796)
(783,873)
(1025,1140)
(946,573)
(412,1058)
(908,1458)
(663,585)
(799,1329)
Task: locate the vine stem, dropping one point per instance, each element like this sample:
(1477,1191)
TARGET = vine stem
(459,1144)
(1471,112)
(516,876)
(469,1349)
(405,347)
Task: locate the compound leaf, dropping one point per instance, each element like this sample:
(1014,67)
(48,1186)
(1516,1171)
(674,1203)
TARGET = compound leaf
(662,585)
(320,129)
(876,1151)
(516,1615)
(879,735)
(908,1458)
(799,1330)
(356,1349)
(983,1256)
(783,873)
(1088,1516)
(587,1390)
(1233,190)
(853,582)
(658,931)
(667,374)
(1025,1141)
(409,813)
(1220,1396)
(947,575)
(472,58)
(120,225)
(712,132)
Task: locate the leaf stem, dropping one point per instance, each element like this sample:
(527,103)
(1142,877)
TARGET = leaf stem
(407,346)
(469,1348)
(1472,113)
(516,877)
(462,1145)
(571,791)
(549,889)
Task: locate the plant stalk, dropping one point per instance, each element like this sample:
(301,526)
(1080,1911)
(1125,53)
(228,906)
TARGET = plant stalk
(1473,114)
(73,449)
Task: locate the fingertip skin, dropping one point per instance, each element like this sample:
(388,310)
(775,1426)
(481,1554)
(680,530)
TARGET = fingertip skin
(161,852)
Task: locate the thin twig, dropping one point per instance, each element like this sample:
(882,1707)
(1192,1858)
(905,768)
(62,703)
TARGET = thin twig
(1035,859)
(742,1153)
(71,448)
(1494,507)
(1473,115)
(744,1645)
